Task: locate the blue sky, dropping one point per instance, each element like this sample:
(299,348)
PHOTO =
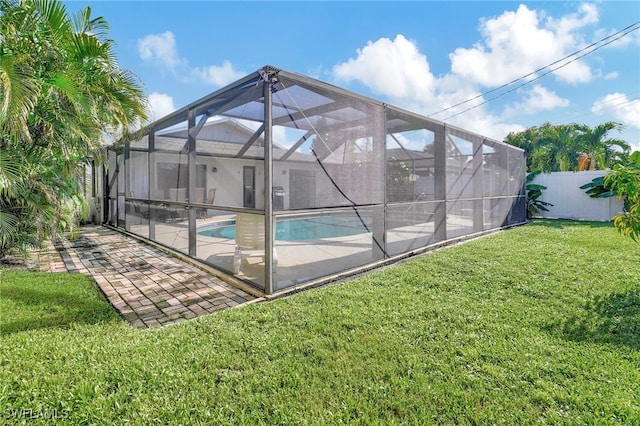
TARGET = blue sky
(423,56)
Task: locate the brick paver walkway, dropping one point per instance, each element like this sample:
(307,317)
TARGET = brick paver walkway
(147,287)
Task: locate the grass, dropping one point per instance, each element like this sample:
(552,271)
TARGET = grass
(540,324)
(32,300)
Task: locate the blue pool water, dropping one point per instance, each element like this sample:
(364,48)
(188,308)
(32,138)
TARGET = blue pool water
(298,229)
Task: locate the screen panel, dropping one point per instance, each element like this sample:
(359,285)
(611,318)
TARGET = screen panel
(328,145)
(314,245)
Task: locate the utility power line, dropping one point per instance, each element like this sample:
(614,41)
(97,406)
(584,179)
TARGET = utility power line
(613,104)
(575,56)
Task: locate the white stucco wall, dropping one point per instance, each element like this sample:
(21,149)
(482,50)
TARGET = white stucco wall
(571,202)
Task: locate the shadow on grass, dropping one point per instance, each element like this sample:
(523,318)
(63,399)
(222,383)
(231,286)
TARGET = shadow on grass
(563,223)
(53,307)
(613,319)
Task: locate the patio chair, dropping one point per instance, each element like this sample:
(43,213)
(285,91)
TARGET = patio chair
(211,196)
(161,212)
(136,207)
(250,240)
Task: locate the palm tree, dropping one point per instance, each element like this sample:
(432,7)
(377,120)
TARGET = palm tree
(549,147)
(556,148)
(61,93)
(570,147)
(598,151)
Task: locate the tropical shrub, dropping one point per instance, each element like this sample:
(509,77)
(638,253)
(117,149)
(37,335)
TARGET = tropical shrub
(534,192)
(62,94)
(598,189)
(625,181)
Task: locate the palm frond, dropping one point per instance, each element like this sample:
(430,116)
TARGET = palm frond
(8,229)
(11,174)
(83,23)
(19,92)
(54,16)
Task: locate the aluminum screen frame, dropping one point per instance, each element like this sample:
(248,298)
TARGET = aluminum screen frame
(280,180)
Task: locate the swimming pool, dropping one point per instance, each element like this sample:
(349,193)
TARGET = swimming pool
(300,229)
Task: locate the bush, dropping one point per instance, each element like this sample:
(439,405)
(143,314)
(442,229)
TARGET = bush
(625,181)
(534,191)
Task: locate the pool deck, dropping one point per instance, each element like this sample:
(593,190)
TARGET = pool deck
(298,261)
(146,286)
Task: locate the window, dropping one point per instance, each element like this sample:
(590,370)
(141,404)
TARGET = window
(176,175)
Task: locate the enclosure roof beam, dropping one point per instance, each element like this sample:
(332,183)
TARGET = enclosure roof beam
(360,122)
(401,146)
(195,131)
(231,100)
(408,126)
(454,144)
(337,127)
(309,112)
(251,141)
(297,145)
(323,89)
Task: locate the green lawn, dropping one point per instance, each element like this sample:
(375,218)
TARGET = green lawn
(539,324)
(30,301)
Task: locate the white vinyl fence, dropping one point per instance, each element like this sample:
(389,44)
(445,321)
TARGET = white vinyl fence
(571,202)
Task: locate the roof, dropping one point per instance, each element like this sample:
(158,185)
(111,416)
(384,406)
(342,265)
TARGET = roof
(313,116)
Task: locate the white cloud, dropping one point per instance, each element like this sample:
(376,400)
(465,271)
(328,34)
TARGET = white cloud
(574,73)
(587,14)
(159,105)
(161,49)
(480,121)
(488,125)
(620,107)
(399,71)
(217,75)
(536,99)
(517,43)
(612,75)
(631,38)
(512,45)
(394,68)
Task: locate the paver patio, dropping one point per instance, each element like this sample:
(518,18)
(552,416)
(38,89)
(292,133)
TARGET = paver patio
(147,286)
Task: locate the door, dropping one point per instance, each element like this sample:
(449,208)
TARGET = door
(302,186)
(249,185)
